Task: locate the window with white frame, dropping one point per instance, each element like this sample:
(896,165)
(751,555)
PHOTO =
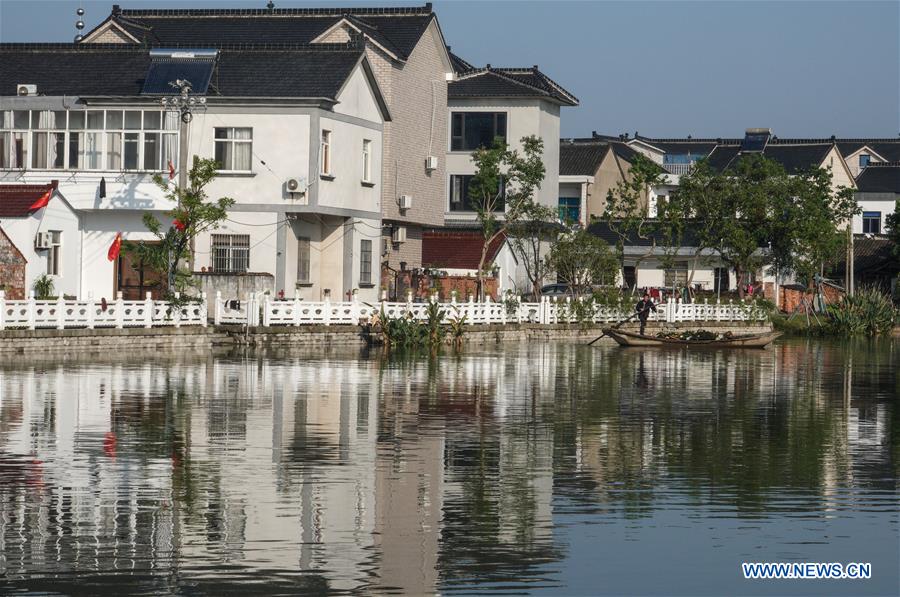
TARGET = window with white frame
(871,221)
(864,160)
(365,262)
(234,148)
(140,140)
(325,153)
(53,254)
(367,160)
(230,253)
(303,253)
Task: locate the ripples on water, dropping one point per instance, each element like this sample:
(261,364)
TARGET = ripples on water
(528,468)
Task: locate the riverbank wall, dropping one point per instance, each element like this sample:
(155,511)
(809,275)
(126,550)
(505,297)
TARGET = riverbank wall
(98,341)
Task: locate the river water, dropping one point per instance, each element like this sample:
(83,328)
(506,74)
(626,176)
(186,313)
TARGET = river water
(533,468)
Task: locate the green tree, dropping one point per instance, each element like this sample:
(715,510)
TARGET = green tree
(502,190)
(193,214)
(529,238)
(581,259)
(754,214)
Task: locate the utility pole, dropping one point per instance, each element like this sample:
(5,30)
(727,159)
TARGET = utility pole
(185,105)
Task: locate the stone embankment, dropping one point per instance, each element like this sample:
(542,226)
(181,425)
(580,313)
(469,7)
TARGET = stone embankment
(96,341)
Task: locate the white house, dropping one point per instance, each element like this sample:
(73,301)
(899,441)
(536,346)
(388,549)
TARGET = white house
(49,238)
(878,189)
(297,131)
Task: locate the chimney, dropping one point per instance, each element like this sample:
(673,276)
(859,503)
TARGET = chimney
(116,10)
(428,6)
(535,67)
(594,134)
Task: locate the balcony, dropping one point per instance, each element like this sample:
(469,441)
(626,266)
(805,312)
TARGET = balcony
(678,168)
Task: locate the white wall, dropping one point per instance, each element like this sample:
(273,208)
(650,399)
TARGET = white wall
(56,216)
(524,117)
(880,202)
(347,189)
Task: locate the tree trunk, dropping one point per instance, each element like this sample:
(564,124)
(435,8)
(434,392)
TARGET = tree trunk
(739,274)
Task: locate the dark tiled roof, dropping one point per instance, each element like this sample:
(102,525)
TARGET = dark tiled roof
(397,29)
(603,231)
(16,199)
(314,71)
(509,82)
(458,249)
(879,178)
(580,158)
(459,65)
(697,148)
(872,255)
(794,158)
(888,149)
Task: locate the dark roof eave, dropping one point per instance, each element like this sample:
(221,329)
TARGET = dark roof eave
(229,100)
(546,98)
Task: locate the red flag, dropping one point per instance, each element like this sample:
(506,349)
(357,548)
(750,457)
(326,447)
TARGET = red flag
(171,170)
(42,202)
(115,247)
(179,225)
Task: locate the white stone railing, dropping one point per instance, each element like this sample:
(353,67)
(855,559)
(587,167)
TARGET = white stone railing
(63,314)
(262,310)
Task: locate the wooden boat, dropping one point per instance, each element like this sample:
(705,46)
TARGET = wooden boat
(748,341)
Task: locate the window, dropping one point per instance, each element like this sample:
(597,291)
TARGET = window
(864,160)
(459,194)
(78,139)
(54,252)
(231,253)
(569,209)
(677,275)
(325,152)
(367,160)
(471,130)
(871,222)
(234,149)
(303,260)
(365,262)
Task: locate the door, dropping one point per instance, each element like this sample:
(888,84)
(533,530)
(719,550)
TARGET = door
(630,276)
(134,280)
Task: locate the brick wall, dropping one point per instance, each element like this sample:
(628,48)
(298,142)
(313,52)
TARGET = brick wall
(111,36)
(416,93)
(423,286)
(12,269)
(409,252)
(791,298)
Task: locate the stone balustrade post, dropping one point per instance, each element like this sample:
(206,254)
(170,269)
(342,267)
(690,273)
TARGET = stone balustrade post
(148,311)
(91,306)
(217,314)
(177,311)
(31,309)
(120,311)
(204,309)
(60,312)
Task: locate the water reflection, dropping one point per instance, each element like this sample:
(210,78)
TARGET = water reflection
(491,469)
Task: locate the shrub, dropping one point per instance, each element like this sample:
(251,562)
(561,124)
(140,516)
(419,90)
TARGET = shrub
(867,312)
(43,288)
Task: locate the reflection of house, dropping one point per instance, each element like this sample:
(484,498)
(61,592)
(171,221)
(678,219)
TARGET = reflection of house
(48,239)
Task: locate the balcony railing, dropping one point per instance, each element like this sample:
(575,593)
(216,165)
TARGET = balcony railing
(678,168)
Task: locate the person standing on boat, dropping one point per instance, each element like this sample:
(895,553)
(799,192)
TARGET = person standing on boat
(643,308)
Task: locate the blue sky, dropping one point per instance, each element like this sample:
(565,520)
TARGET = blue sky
(663,68)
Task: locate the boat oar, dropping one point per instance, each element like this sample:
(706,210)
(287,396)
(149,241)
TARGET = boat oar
(618,325)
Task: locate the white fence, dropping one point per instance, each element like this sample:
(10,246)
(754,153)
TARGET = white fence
(257,310)
(262,310)
(63,314)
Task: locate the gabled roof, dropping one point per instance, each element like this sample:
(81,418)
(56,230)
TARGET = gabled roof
(16,199)
(583,156)
(879,178)
(457,249)
(509,82)
(316,71)
(872,255)
(397,29)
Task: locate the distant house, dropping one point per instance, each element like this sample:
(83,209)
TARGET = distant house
(588,170)
(49,240)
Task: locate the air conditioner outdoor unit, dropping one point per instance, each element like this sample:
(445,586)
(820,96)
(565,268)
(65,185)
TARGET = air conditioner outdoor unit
(42,240)
(295,185)
(405,201)
(26,89)
(431,163)
(399,235)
